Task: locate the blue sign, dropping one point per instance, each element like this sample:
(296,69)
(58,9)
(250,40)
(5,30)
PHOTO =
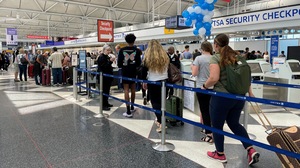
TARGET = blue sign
(274,47)
(82,59)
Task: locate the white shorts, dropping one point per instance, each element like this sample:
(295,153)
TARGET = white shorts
(16,67)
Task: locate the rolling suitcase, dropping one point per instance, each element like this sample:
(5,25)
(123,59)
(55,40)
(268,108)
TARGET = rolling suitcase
(30,71)
(284,138)
(174,106)
(46,76)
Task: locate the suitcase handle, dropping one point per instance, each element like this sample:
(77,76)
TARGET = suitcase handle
(258,110)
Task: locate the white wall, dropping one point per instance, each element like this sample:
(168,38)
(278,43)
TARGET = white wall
(252,45)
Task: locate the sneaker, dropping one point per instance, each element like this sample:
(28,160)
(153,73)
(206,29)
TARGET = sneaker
(16,80)
(127,115)
(145,101)
(253,156)
(214,155)
(106,108)
(132,109)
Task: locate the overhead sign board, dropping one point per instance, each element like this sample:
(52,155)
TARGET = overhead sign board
(265,16)
(37,37)
(11,36)
(176,22)
(105,29)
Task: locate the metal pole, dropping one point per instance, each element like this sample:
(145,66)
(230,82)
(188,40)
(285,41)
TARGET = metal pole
(100,115)
(246,118)
(75,90)
(163,146)
(153,12)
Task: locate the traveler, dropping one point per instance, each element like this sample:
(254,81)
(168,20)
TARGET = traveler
(56,59)
(225,109)
(16,65)
(37,69)
(174,59)
(200,68)
(156,63)
(23,62)
(266,56)
(104,65)
(129,60)
(196,53)
(282,54)
(186,54)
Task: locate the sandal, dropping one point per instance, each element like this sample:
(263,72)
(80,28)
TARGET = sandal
(208,139)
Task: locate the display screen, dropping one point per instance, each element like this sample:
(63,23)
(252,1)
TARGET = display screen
(82,59)
(176,22)
(171,22)
(293,52)
(255,68)
(295,66)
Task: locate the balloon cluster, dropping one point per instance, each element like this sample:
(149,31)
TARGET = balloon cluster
(200,15)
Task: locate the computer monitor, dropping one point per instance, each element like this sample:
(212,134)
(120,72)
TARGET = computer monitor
(295,66)
(255,68)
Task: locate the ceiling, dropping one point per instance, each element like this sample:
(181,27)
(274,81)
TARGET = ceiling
(75,17)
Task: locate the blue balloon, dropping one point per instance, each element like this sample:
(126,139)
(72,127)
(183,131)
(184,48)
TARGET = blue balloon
(211,7)
(208,33)
(200,18)
(188,22)
(193,16)
(195,5)
(196,32)
(200,1)
(204,6)
(207,26)
(198,25)
(215,1)
(185,14)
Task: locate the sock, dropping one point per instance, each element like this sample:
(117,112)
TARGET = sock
(128,109)
(249,149)
(219,154)
(132,107)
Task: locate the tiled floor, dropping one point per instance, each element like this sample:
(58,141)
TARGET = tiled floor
(46,127)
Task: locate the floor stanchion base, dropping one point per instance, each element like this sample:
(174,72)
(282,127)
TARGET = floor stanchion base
(252,136)
(163,148)
(101,115)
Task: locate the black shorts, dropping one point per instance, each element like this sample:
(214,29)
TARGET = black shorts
(127,82)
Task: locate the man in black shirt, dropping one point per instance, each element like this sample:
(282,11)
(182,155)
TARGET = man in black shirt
(174,59)
(129,59)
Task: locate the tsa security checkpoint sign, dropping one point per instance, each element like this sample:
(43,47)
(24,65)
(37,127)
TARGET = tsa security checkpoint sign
(105,30)
(200,16)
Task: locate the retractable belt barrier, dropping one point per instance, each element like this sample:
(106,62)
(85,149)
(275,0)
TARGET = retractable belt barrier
(264,83)
(221,94)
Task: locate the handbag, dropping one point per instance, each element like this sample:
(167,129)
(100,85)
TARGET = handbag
(174,74)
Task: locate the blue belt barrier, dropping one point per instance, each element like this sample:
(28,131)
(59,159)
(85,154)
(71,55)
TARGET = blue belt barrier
(227,95)
(132,79)
(276,84)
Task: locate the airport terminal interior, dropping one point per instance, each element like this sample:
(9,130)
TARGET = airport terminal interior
(44,125)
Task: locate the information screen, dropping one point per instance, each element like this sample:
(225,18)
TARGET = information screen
(255,68)
(295,66)
(82,59)
(171,22)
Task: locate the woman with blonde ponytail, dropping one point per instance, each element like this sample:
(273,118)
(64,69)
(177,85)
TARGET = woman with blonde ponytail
(224,109)
(156,62)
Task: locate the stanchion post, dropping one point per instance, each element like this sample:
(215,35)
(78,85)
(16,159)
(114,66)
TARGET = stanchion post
(246,118)
(100,115)
(163,146)
(75,91)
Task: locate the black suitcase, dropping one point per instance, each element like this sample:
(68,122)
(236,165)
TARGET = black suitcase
(174,105)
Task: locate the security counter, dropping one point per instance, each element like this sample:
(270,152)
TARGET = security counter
(256,74)
(288,73)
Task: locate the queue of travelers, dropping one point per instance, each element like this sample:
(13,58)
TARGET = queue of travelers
(208,66)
